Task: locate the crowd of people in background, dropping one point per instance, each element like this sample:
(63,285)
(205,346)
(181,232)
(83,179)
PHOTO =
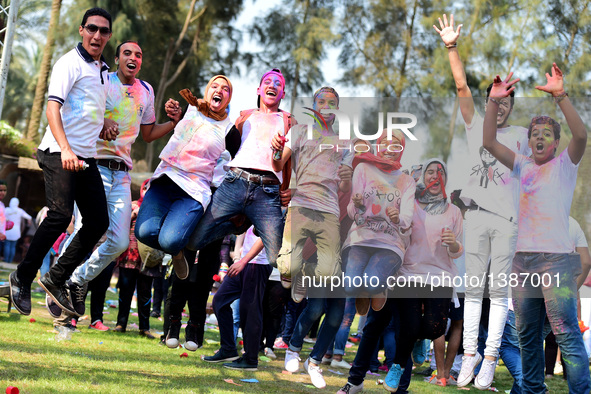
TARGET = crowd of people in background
(347,213)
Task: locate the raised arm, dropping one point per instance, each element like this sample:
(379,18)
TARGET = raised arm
(449,36)
(500,89)
(555,86)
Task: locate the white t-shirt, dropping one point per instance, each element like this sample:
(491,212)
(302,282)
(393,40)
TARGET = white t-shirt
(255,149)
(249,240)
(490,184)
(576,234)
(192,152)
(316,162)
(80,84)
(130,106)
(545,199)
(380,190)
(16,215)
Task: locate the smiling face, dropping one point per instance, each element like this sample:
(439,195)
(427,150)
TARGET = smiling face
(543,143)
(94,43)
(272,91)
(129,61)
(432,175)
(326,100)
(390,149)
(218,95)
(505,109)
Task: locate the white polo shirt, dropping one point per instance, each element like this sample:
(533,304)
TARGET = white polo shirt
(80,84)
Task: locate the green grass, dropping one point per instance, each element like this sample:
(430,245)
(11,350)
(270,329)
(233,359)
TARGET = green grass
(107,362)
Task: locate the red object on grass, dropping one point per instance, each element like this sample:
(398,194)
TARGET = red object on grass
(217,278)
(184,355)
(12,390)
(32,320)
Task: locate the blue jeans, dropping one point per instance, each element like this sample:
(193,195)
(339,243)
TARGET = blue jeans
(533,301)
(510,353)
(373,262)
(334,308)
(167,216)
(9,250)
(261,205)
(338,345)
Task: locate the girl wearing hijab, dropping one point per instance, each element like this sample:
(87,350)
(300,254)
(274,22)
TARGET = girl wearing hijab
(180,187)
(436,228)
(381,208)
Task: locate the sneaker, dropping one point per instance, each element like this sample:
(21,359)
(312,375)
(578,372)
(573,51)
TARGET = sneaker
(174,331)
(78,297)
(383,368)
(270,353)
(285,282)
(451,381)
(362,305)
(220,357)
(191,341)
(439,382)
(280,345)
(292,361)
(59,294)
(469,364)
(180,265)
(326,360)
(298,291)
(340,364)
(20,295)
(241,365)
(98,325)
(119,328)
(315,374)
(307,339)
(54,310)
(485,377)
(393,378)
(419,353)
(155,314)
(426,372)
(147,334)
(351,388)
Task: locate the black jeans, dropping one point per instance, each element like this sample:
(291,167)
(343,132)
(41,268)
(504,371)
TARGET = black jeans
(274,302)
(62,189)
(98,288)
(249,285)
(129,279)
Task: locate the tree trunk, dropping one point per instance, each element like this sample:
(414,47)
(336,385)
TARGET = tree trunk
(41,88)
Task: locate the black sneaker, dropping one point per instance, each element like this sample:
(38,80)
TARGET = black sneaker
(54,310)
(241,365)
(426,372)
(155,314)
(20,294)
(147,334)
(174,331)
(59,294)
(220,357)
(192,341)
(78,297)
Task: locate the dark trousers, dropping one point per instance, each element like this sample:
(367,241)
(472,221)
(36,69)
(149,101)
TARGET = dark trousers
(98,288)
(249,286)
(62,189)
(293,311)
(129,280)
(374,327)
(275,299)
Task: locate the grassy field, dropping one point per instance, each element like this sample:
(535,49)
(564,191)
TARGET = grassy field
(34,361)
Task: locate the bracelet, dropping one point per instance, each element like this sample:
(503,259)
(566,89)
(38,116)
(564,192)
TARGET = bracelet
(451,46)
(494,100)
(560,97)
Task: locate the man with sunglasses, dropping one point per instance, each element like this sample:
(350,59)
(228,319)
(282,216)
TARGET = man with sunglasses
(75,113)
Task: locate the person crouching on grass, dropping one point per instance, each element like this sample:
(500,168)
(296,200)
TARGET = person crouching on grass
(547,184)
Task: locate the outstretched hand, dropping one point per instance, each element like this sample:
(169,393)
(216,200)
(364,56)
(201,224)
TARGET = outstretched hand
(447,33)
(555,82)
(503,87)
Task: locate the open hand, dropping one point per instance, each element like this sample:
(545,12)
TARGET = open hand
(555,82)
(503,87)
(447,33)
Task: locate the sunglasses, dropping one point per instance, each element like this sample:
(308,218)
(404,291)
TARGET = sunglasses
(92,29)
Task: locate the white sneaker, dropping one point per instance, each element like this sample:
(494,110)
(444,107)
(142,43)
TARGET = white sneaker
(315,374)
(292,361)
(351,389)
(191,346)
(326,360)
(340,364)
(469,364)
(486,374)
(270,353)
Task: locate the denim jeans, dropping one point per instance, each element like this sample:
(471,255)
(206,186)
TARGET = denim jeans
(129,280)
(261,205)
(558,300)
(62,189)
(167,217)
(9,250)
(117,185)
(293,311)
(334,308)
(338,345)
(365,260)
(510,353)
